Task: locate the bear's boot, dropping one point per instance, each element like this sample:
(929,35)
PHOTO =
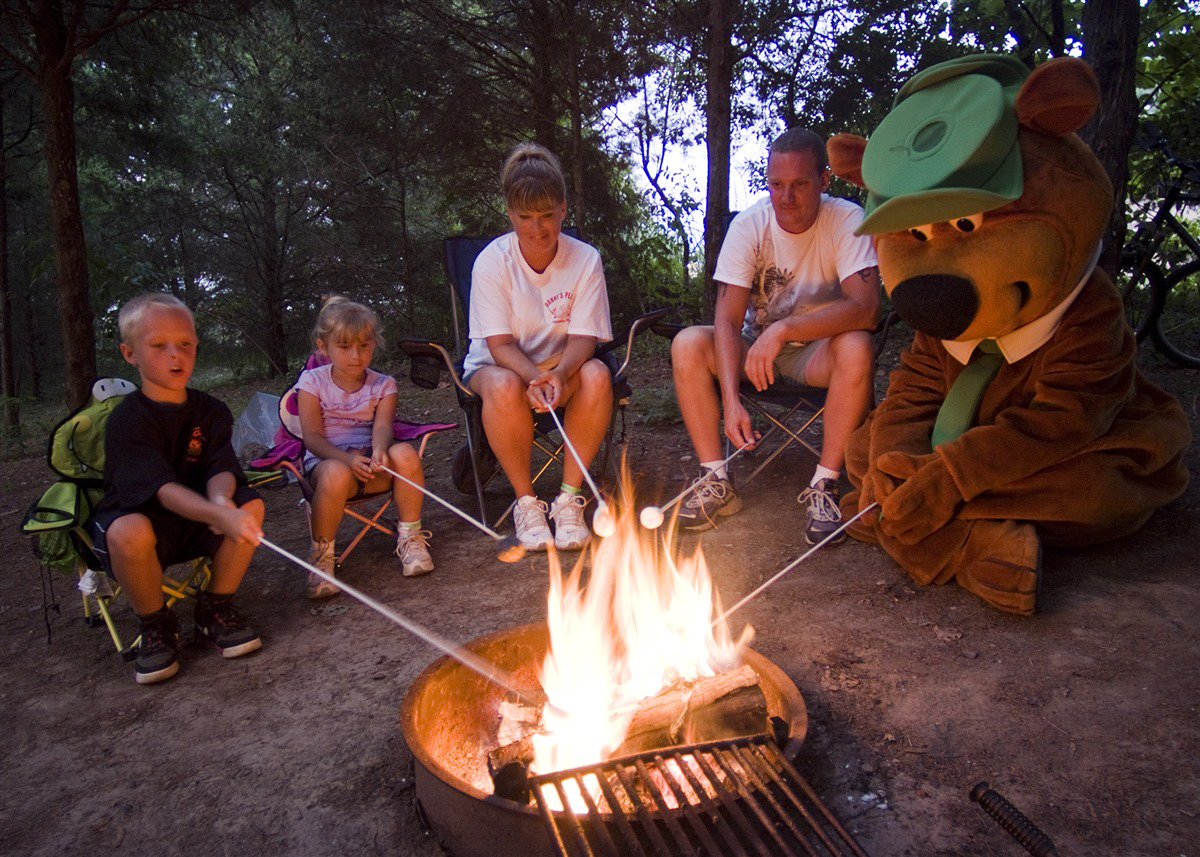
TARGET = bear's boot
(1001,562)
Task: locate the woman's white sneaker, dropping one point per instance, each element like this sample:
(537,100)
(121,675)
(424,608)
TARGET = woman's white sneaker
(529,518)
(570,532)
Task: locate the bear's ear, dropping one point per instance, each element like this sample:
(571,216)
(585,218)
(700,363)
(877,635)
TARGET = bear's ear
(1059,96)
(846,157)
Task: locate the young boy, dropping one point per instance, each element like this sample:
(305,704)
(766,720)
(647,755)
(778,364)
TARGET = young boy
(173,491)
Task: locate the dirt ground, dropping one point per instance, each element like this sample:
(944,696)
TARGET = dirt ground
(1086,717)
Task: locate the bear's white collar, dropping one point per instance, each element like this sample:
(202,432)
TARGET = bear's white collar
(1027,339)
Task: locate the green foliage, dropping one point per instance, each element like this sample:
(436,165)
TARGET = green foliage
(251,157)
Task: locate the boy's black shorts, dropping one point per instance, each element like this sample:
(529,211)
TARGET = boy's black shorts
(177,539)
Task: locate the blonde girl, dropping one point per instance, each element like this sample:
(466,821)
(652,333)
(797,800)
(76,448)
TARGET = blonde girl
(346,414)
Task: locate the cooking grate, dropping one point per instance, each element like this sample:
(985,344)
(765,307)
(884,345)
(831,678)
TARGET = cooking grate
(731,797)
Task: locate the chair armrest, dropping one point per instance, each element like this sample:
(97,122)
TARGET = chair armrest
(667,329)
(426,357)
(641,323)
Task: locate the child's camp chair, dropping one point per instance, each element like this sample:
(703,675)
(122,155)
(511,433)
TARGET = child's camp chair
(288,455)
(58,520)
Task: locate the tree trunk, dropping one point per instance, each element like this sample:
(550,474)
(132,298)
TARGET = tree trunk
(580,201)
(276,332)
(718,121)
(1110,40)
(70,255)
(8,381)
(541,49)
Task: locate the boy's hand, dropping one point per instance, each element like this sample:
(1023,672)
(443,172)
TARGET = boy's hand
(236,524)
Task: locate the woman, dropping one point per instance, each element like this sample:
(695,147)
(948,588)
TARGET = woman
(539,306)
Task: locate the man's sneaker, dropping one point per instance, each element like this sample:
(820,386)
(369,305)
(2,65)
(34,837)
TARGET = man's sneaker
(220,625)
(158,649)
(570,532)
(322,556)
(412,546)
(821,513)
(529,518)
(711,497)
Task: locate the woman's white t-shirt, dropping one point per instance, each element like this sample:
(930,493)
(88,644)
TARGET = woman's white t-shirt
(538,310)
(783,269)
(348,418)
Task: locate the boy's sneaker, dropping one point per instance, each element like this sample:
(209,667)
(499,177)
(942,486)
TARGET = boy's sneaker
(821,513)
(322,556)
(570,532)
(529,519)
(158,649)
(412,546)
(220,625)
(711,497)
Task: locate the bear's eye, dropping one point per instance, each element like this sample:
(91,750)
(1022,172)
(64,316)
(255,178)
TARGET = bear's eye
(967,224)
(921,233)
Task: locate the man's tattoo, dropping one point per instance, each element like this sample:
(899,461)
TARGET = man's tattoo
(866,273)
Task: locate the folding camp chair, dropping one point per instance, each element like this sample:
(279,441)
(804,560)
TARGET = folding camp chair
(475,466)
(288,455)
(58,520)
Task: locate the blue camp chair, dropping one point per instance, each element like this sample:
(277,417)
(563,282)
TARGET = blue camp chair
(474,465)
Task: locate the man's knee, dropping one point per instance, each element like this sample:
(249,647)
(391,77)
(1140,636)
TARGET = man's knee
(692,347)
(853,354)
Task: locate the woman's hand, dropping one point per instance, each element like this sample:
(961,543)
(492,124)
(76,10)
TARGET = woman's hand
(544,390)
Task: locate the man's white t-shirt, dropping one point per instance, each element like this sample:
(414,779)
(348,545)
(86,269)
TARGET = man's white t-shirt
(783,269)
(538,310)
(348,418)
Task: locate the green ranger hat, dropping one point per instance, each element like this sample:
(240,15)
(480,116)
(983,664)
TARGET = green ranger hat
(948,148)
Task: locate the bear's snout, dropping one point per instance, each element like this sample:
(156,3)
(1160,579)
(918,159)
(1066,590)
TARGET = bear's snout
(941,305)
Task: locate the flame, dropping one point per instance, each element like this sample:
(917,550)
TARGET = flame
(644,620)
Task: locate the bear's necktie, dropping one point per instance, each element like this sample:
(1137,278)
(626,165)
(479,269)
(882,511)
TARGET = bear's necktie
(962,402)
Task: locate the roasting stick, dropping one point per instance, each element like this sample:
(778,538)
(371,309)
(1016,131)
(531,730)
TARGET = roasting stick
(795,563)
(652,516)
(467,658)
(511,548)
(602,520)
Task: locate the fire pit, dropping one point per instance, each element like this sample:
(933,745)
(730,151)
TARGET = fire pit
(449,719)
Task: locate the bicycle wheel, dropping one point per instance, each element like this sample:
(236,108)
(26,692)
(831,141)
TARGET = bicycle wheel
(1177,327)
(1140,296)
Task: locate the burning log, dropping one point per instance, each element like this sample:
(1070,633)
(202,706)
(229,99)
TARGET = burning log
(728,705)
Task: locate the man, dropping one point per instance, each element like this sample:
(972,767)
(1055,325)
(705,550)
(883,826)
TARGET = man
(797,298)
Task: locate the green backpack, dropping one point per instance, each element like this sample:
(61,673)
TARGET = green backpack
(76,453)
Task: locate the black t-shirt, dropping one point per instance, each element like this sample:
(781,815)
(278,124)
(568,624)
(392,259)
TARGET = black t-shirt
(148,444)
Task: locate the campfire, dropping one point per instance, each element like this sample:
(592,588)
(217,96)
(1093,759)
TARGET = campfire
(635,661)
(632,715)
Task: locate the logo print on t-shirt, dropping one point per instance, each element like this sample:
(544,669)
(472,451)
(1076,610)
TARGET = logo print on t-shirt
(195,447)
(558,306)
(771,298)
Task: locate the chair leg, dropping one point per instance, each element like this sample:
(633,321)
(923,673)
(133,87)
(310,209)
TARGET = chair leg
(780,425)
(368,525)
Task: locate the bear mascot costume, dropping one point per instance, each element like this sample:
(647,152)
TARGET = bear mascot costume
(1018,415)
